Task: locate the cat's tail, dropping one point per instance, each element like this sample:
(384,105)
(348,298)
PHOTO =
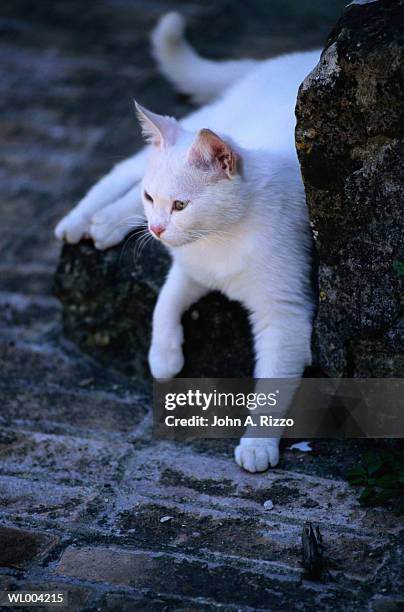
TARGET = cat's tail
(190,73)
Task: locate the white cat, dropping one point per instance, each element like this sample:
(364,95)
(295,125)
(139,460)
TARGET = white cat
(222,191)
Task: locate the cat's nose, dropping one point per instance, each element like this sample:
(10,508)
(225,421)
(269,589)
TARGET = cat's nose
(157,230)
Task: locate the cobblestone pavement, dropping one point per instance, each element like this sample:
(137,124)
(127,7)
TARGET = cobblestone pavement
(83,485)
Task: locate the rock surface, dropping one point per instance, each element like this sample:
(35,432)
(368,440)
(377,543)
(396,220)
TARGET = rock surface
(109,298)
(350,144)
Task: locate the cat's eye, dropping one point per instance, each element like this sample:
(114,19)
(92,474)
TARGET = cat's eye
(148,197)
(179,204)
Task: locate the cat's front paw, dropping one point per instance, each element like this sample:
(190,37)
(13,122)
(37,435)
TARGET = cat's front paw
(106,230)
(257,454)
(73,227)
(166,358)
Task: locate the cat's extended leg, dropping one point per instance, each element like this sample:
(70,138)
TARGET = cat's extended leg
(178,293)
(112,187)
(111,224)
(282,351)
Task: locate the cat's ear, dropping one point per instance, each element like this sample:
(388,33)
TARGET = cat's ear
(158,130)
(211,152)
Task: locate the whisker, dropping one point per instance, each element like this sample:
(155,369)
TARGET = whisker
(141,246)
(125,244)
(144,243)
(136,250)
(143,235)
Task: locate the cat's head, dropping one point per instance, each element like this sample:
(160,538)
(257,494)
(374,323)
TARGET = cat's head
(191,187)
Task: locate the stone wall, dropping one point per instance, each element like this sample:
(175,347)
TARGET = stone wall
(350,144)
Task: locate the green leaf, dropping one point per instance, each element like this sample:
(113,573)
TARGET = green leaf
(388,481)
(381,497)
(357,471)
(357,475)
(361,482)
(382,476)
(365,496)
(373,463)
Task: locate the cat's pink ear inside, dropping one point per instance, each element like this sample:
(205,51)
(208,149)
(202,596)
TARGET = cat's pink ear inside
(158,130)
(211,152)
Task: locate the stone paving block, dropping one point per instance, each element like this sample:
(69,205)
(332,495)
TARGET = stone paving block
(32,278)
(22,247)
(27,362)
(19,547)
(22,499)
(386,603)
(7,240)
(17,205)
(44,170)
(17,309)
(182,473)
(179,575)
(50,410)
(158,525)
(6,582)
(260,538)
(329,458)
(46,129)
(125,602)
(62,459)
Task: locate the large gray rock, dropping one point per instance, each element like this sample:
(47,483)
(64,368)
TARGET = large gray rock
(108,302)
(350,144)
(349,140)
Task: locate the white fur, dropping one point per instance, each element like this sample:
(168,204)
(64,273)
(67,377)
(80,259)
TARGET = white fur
(190,73)
(244,232)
